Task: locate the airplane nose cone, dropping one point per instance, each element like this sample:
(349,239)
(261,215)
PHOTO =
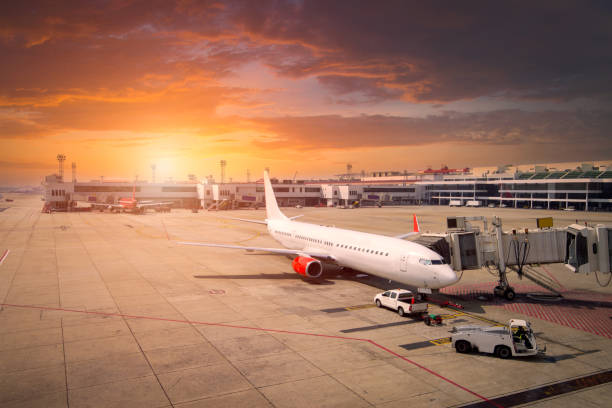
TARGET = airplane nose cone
(447,276)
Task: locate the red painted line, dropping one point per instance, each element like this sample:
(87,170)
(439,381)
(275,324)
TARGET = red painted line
(493,403)
(264,330)
(4,255)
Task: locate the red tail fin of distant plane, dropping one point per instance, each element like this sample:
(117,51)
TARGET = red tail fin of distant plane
(415,223)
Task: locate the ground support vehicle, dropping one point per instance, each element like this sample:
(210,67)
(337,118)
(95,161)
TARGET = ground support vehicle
(515,340)
(431,319)
(401,300)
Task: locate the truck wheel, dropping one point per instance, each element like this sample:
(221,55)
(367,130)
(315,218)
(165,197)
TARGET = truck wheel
(503,352)
(509,294)
(400,311)
(463,346)
(378,303)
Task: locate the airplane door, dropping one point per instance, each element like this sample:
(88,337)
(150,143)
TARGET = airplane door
(403,264)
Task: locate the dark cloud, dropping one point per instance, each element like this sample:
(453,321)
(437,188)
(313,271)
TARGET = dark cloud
(436,51)
(507,128)
(444,51)
(357,89)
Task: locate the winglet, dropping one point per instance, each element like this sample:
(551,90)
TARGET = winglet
(272,210)
(415,222)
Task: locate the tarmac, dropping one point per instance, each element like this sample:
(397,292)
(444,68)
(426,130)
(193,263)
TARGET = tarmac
(106,310)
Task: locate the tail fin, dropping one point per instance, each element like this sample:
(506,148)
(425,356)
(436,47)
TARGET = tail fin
(272,210)
(415,223)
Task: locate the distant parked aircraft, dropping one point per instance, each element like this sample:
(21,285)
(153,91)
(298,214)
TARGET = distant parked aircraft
(131,204)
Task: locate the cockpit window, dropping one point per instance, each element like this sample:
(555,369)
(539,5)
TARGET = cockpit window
(431,261)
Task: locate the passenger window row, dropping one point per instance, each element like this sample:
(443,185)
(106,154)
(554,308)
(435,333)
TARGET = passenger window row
(329,243)
(369,251)
(316,241)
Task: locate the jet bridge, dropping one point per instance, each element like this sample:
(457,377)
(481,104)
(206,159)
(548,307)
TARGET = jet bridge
(582,249)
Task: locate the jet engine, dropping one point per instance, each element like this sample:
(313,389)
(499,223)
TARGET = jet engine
(308,267)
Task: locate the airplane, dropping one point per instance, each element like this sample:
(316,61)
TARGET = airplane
(131,204)
(313,245)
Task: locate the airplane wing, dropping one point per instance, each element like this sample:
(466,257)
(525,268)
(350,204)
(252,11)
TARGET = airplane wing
(279,251)
(406,235)
(246,220)
(258,221)
(415,226)
(152,204)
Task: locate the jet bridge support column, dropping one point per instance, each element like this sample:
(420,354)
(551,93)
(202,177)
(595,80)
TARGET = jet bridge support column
(503,288)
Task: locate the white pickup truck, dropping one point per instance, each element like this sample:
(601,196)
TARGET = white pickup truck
(516,339)
(401,300)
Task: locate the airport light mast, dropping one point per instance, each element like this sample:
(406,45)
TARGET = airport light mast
(61,158)
(223,164)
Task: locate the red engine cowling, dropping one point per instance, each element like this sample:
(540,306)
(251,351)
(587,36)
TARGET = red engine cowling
(308,267)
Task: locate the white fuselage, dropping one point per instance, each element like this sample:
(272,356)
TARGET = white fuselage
(378,255)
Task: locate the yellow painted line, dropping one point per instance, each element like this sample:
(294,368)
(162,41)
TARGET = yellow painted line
(145,234)
(451,316)
(492,322)
(439,342)
(484,319)
(257,234)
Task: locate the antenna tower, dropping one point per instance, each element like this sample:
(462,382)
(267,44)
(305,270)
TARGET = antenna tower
(248,176)
(74,172)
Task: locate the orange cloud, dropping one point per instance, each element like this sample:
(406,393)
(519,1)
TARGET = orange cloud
(277,81)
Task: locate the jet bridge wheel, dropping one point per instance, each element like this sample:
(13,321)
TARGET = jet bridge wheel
(505,292)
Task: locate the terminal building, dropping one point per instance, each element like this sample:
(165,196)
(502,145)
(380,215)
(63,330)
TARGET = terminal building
(585,188)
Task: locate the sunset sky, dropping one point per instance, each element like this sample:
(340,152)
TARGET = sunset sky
(304,86)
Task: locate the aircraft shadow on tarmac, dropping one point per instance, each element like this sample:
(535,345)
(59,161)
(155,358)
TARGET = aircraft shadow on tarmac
(331,274)
(328,278)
